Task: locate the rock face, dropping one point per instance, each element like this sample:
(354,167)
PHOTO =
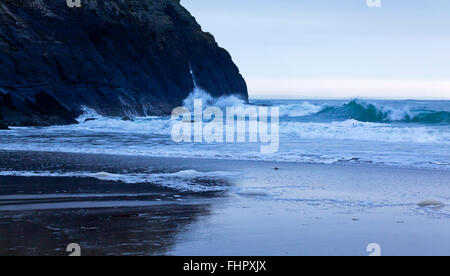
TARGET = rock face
(3,126)
(121,58)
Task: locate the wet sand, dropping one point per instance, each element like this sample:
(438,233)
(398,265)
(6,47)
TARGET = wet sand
(266,209)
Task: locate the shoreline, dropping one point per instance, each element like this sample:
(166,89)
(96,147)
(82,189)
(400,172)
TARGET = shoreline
(221,159)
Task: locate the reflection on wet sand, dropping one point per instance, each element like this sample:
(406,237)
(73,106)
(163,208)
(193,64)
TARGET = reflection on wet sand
(267,208)
(42,215)
(124,231)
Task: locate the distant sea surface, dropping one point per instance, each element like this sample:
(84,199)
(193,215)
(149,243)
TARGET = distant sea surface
(412,134)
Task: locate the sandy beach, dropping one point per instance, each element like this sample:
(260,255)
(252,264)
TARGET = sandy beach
(249,208)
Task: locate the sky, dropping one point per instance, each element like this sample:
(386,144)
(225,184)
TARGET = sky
(334,48)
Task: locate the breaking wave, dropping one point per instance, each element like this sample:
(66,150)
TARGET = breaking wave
(208,100)
(353,110)
(405,133)
(286,110)
(365,131)
(368,112)
(299,110)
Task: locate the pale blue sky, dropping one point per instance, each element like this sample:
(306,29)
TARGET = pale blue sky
(334,48)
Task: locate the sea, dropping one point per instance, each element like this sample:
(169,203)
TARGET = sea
(397,133)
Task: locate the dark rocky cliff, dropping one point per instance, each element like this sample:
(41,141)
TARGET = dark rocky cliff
(118,57)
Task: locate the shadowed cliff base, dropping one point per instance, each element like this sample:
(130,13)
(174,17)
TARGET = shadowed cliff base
(3,126)
(118,57)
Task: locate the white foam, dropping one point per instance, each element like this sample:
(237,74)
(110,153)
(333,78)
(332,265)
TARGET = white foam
(181,180)
(287,110)
(360,131)
(88,113)
(255,193)
(207,100)
(299,110)
(396,114)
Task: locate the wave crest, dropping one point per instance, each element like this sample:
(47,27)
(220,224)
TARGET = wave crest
(368,112)
(208,100)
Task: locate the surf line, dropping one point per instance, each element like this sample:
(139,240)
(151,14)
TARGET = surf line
(209,126)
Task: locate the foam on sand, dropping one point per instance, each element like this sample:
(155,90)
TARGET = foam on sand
(431,204)
(186,181)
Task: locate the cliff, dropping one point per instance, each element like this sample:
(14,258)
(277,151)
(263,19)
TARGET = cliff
(119,57)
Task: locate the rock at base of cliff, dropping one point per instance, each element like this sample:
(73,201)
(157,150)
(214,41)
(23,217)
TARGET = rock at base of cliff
(3,126)
(127,118)
(41,110)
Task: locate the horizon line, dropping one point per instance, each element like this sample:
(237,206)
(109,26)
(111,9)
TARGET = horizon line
(348,98)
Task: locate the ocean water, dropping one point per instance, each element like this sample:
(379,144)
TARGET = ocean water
(412,134)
